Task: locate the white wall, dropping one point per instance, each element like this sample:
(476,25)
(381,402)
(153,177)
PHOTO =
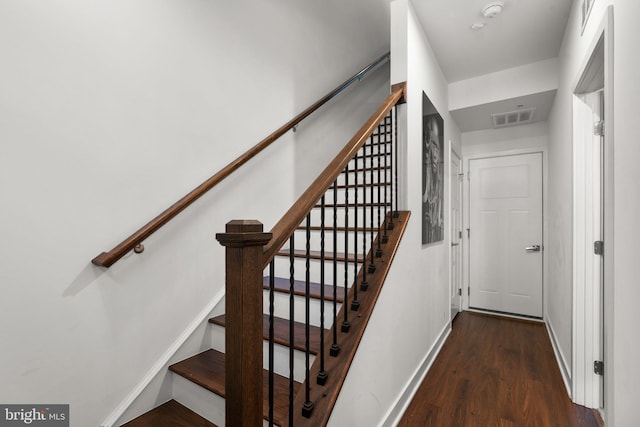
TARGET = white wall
(319,140)
(538,77)
(110,111)
(622,374)
(623,377)
(494,141)
(559,246)
(413,310)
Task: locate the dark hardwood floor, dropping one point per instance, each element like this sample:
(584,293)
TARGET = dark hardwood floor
(495,371)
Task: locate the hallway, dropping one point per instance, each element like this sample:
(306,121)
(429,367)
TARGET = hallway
(495,371)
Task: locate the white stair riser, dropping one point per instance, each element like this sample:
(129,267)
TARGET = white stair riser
(200,400)
(354,241)
(281,355)
(281,309)
(328,200)
(364,176)
(315,266)
(316,216)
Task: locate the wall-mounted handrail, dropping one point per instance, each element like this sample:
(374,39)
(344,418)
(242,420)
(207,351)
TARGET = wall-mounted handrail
(107,259)
(296,214)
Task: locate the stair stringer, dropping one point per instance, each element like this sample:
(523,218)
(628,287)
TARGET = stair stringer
(324,397)
(156,387)
(373,396)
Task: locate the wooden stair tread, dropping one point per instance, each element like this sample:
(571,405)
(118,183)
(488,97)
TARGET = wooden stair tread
(170,414)
(281,332)
(207,369)
(328,256)
(299,288)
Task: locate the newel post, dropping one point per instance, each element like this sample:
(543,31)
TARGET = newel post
(244,241)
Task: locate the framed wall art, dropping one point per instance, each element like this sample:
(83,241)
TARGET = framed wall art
(432,173)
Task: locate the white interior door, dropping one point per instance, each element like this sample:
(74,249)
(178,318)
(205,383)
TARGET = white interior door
(598,190)
(506,234)
(456,235)
(588,229)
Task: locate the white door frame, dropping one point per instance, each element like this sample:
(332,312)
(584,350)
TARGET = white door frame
(455,185)
(467,220)
(585,388)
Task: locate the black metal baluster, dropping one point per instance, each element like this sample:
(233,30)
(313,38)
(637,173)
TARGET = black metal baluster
(372,265)
(385,236)
(355,304)
(272,267)
(345,323)
(291,323)
(335,348)
(364,285)
(395,143)
(379,250)
(322,374)
(307,407)
(391,172)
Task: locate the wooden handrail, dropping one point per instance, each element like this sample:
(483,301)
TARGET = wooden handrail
(296,214)
(107,259)
(248,251)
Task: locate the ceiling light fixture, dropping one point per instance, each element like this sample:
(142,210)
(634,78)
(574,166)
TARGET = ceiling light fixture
(492,9)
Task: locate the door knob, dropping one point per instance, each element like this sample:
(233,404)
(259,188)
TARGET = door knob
(534,248)
(454,244)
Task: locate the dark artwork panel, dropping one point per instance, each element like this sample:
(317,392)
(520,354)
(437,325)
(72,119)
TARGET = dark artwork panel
(432,174)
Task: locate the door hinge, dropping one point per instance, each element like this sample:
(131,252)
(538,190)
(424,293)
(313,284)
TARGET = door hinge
(459,234)
(598,247)
(460,291)
(598,367)
(468,291)
(468,233)
(598,128)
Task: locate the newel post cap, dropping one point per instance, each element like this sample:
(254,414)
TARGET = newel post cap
(243,232)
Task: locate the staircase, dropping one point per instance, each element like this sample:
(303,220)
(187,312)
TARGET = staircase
(320,283)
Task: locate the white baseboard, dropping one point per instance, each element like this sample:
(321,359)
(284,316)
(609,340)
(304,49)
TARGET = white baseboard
(562,362)
(507,315)
(159,368)
(393,415)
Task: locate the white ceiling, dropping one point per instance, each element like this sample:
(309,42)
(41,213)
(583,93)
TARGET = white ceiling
(527,31)
(479,117)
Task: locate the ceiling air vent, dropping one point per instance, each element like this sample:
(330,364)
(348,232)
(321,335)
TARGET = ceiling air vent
(513,118)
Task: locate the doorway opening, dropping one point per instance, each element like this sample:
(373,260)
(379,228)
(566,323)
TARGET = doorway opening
(592,219)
